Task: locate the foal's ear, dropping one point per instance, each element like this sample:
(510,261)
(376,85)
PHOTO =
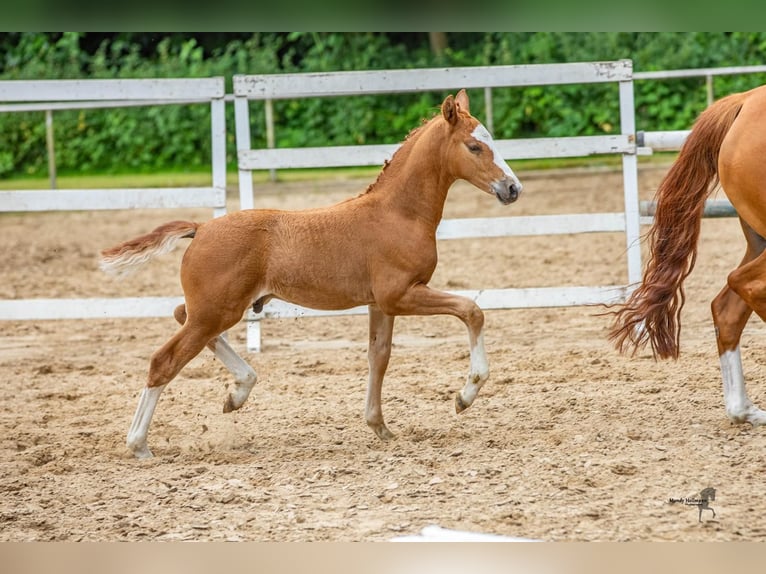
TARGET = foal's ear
(449,110)
(462,102)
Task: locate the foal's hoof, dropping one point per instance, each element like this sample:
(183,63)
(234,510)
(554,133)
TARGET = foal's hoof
(460,405)
(228,405)
(141,452)
(382,432)
(757,417)
(751,414)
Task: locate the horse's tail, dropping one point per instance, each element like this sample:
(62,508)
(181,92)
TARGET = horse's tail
(652,312)
(123,258)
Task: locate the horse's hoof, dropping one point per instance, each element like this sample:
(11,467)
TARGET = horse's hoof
(228,405)
(460,405)
(141,452)
(382,432)
(750,414)
(757,418)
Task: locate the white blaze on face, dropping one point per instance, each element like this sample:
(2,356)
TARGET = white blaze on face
(481,134)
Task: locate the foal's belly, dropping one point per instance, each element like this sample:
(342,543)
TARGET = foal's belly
(322,286)
(323,297)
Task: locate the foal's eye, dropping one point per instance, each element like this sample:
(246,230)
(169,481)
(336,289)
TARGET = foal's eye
(474,147)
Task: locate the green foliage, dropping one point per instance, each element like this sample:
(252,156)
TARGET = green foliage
(177,137)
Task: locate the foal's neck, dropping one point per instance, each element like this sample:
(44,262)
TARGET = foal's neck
(417,179)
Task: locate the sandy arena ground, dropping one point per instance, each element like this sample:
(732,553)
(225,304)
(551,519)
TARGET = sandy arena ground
(568,441)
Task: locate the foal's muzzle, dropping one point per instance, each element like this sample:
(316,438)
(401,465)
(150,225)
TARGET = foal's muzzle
(507,190)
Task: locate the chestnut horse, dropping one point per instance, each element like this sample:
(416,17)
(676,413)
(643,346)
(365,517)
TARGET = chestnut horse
(377,249)
(727,144)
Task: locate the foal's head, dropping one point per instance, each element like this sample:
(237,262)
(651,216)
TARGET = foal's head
(473,154)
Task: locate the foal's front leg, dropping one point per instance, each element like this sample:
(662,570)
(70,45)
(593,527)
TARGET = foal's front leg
(478,374)
(378,353)
(422,300)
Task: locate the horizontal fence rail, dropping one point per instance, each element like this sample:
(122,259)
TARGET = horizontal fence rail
(698,72)
(39,309)
(88,199)
(307,85)
(649,142)
(100,90)
(367,155)
(713,208)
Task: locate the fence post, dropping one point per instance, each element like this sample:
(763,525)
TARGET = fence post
(488,110)
(49,142)
(269,106)
(630,184)
(242,129)
(218,149)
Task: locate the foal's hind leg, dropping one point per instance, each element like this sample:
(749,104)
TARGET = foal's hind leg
(422,300)
(244,375)
(165,364)
(378,353)
(745,292)
(139,427)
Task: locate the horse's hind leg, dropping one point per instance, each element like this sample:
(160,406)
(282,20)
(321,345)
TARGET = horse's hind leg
(244,375)
(378,353)
(730,314)
(745,293)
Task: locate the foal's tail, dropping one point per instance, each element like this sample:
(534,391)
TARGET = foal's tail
(122,258)
(653,311)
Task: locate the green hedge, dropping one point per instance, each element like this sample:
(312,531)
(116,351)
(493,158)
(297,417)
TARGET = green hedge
(177,137)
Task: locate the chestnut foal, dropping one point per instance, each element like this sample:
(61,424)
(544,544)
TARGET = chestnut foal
(377,249)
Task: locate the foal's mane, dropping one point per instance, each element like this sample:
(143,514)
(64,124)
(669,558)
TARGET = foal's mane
(403,150)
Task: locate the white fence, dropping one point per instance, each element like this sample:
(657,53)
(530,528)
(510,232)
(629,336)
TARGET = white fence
(71,93)
(269,87)
(708,73)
